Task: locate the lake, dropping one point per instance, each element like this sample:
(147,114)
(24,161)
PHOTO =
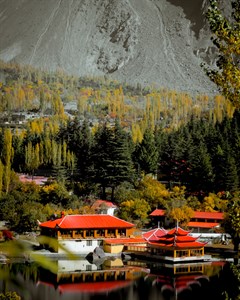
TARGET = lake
(113,278)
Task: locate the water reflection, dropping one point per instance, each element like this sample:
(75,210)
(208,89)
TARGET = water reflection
(115,279)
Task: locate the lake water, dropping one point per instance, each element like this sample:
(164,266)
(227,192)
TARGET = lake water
(119,280)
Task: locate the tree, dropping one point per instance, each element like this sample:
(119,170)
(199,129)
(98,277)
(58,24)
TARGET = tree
(231,221)
(153,191)
(112,158)
(201,172)
(226,38)
(181,214)
(146,153)
(136,210)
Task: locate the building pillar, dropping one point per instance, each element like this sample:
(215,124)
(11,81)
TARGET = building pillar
(105,233)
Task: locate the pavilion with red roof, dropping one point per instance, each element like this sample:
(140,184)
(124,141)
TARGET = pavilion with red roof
(177,246)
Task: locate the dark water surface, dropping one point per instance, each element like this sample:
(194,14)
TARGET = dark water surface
(120,280)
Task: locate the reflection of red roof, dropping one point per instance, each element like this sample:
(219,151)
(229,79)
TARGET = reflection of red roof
(89,287)
(203,224)
(154,234)
(93,287)
(87,222)
(125,241)
(180,282)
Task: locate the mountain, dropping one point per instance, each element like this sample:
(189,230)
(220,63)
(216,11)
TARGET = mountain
(148,42)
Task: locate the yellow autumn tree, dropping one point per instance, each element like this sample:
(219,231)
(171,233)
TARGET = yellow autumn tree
(181,215)
(153,192)
(135,210)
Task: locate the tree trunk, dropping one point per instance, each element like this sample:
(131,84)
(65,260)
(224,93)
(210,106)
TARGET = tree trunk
(112,194)
(236,244)
(104,192)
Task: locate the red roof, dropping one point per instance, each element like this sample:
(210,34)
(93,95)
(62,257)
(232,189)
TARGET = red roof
(158,213)
(208,215)
(99,203)
(178,231)
(197,214)
(177,238)
(125,241)
(87,222)
(154,234)
(179,245)
(203,224)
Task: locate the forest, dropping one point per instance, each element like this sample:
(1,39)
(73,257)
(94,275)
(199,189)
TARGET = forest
(139,147)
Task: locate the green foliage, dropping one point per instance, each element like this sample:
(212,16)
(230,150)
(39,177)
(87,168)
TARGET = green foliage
(112,158)
(135,210)
(146,154)
(9,296)
(232,220)
(226,38)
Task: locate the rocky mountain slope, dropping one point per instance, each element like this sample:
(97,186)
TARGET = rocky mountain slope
(151,42)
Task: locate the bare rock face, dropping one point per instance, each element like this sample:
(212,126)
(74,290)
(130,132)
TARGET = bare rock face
(151,42)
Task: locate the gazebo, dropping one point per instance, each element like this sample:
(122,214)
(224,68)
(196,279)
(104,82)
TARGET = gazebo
(177,246)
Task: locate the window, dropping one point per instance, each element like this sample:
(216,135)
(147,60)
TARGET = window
(89,243)
(88,267)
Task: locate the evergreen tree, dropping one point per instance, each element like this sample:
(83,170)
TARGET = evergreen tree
(231,177)
(201,172)
(112,158)
(146,154)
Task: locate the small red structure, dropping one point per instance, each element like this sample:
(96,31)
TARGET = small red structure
(7,235)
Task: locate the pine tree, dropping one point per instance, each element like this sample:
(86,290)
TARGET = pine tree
(201,171)
(146,154)
(112,158)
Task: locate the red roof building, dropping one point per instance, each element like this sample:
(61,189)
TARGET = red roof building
(71,222)
(83,233)
(104,207)
(200,220)
(177,245)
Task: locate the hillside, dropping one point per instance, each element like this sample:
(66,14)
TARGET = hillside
(147,42)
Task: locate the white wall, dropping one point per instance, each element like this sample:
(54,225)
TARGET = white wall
(78,246)
(75,265)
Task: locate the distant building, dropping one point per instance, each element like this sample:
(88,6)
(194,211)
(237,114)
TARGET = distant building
(200,222)
(39,180)
(104,207)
